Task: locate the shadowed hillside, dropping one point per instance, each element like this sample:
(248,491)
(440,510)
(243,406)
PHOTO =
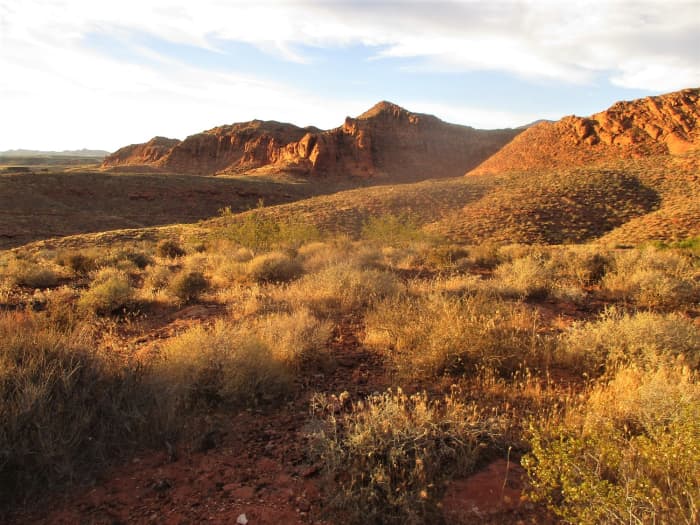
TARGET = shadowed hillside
(38,205)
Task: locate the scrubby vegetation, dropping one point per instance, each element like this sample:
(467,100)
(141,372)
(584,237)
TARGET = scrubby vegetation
(391,454)
(583,359)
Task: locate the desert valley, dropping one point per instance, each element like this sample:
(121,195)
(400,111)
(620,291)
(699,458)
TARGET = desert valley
(397,320)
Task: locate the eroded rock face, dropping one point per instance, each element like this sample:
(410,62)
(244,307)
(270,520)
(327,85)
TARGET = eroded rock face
(389,142)
(667,124)
(235,148)
(141,154)
(386,142)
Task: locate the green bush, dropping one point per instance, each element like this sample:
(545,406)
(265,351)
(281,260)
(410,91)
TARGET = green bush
(388,458)
(629,454)
(110,292)
(188,286)
(392,229)
(260,232)
(31,274)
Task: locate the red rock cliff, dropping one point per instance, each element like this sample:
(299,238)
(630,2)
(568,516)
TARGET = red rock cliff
(667,124)
(389,142)
(147,153)
(386,142)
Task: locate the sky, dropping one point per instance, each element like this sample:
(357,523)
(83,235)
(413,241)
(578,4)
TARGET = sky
(102,74)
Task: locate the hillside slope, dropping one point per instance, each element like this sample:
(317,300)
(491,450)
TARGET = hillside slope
(652,126)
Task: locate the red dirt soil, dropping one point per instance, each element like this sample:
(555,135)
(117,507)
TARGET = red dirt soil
(255,463)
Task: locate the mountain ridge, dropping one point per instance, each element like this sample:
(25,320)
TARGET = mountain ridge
(660,125)
(386,142)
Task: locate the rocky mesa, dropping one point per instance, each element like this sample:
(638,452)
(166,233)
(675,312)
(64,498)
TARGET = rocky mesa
(386,143)
(148,153)
(661,125)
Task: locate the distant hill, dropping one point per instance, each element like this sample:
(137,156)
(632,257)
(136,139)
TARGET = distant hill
(386,143)
(65,153)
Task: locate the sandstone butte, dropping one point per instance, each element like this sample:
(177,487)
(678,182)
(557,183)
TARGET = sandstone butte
(385,143)
(661,125)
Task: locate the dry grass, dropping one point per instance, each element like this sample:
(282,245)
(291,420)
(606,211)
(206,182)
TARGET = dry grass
(388,457)
(240,364)
(653,278)
(230,366)
(619,338)
(436,334)
(338,289)
(276,267)
(529,277)
(67,407)
(298,339)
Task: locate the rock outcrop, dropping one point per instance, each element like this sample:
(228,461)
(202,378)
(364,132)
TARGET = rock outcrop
(390,142)
(148,153)
(666,124)
(386,143)
(235,148)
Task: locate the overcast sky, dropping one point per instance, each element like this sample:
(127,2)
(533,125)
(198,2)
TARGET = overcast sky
(103,74)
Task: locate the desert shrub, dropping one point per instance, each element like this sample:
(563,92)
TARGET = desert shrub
(157,278)
(109,293)
(392,229)
(340,288)
(274,267)
(260,232)
(437,334)
(447,256)
(242,255)
(137,258)
(226,272)
(388,457)
(187,286)
(61,307)
(619,338)
(79,263)
(691,245)
(168,248)
(628,454)
(589,268)
(31,274)
(66,408)
(652,278)
(222,364)
(528,278)
(297,338)
(485,255)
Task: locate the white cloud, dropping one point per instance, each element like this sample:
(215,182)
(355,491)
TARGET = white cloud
(50,78)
